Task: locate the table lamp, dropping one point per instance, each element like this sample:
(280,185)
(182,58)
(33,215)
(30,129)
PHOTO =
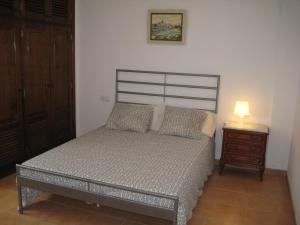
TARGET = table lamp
(241,109)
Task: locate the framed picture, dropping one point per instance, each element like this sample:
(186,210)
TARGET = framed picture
(166,26)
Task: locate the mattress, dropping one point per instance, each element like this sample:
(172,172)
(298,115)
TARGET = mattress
(150,162)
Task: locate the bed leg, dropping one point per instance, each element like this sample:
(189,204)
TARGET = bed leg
(175,212)
(20,208)
(175,216)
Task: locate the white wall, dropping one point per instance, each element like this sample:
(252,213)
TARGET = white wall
(286,85)
(294,162)
(239,39)
(294,165)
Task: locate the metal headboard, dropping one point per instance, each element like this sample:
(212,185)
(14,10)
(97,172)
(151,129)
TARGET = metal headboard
(167,87)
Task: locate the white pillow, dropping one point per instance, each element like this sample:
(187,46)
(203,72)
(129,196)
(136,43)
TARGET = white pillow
(209,125)
(158,116)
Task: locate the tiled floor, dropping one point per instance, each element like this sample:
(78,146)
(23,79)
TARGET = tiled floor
(236,198)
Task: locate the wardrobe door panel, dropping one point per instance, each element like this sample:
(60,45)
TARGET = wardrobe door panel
(61,86)
(10,102)
(36,69)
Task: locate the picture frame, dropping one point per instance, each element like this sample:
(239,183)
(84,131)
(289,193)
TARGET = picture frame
(166,26)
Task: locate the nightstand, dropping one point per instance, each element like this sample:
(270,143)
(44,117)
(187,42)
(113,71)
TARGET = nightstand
(244,145)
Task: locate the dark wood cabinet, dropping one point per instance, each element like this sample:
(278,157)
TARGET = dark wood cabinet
(244,145)
(50,11)
(11,142)
(34,9)
(36,77)
(46,11)
(61,11)
(61,85)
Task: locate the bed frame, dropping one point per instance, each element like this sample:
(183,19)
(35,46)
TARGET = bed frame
(131,87)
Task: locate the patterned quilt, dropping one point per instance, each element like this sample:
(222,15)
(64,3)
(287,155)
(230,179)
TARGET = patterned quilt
(146,161)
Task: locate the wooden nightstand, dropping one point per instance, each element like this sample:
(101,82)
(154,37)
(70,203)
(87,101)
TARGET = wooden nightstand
(244,145)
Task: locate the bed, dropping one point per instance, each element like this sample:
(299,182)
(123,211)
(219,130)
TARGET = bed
(147,173)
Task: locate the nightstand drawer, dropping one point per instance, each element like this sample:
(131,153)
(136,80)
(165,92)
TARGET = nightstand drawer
(242,159)
(244,149)
(241,136)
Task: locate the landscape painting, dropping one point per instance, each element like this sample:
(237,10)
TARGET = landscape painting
(166,26)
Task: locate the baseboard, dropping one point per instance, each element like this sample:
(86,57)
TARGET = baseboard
(276,172)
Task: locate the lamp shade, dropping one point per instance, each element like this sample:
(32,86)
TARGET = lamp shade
(241,109)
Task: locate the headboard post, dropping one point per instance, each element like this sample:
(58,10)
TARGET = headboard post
(165,81)
(217,95)
(117,86)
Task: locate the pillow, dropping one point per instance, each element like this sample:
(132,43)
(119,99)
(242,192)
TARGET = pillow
(183,122)
(158,116)
(130,117)
(209,125)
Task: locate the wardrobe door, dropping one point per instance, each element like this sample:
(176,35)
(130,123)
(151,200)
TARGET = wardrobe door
(36,72)
(61,86)
(11,135)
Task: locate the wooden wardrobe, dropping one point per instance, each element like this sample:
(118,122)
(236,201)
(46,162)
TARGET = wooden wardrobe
(37,97)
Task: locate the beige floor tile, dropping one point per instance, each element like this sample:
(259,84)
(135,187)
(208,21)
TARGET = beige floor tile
(255,217)
(132,223)
(69,216)
(8,183)
(197,219)
(268,203)
(119,214)
(8,200)
(213,213)
(146,220)
(230,220)
(210,209)
(220,196)
(94,219)
(43,210)
(71,202)
(10,218)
